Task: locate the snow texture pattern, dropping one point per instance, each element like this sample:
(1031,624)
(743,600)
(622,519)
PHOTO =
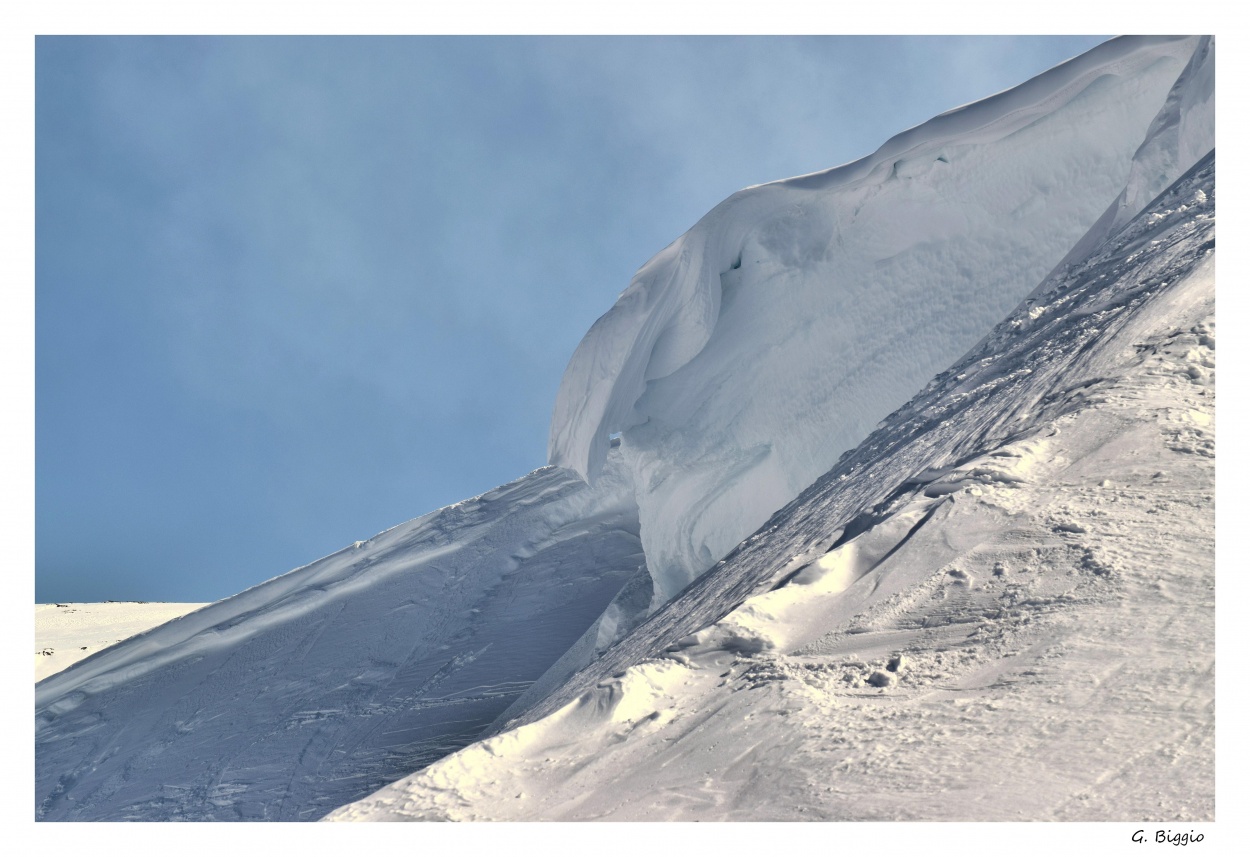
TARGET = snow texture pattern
(744,358)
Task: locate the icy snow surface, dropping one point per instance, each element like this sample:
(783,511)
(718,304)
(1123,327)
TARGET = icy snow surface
(749,354)
(1000,606)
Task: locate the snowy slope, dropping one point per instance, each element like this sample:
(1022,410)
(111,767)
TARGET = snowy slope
(739,364)
(319,686)
(999,606)
(771,337)
(67,633)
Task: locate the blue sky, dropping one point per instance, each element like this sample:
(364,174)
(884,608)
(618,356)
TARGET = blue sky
(291,292)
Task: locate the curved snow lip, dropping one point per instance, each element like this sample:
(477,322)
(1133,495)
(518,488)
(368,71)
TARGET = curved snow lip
(990,467)
(745,357)
(667,314)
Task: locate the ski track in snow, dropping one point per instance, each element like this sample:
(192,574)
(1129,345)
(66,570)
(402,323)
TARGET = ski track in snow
(1000,606)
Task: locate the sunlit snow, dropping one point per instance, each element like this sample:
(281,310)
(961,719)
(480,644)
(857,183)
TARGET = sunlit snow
(999,607)
(67,633)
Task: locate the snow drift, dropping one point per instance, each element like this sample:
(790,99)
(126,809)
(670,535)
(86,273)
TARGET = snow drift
(750,353)
(738,365)
(67,633)
(998,607)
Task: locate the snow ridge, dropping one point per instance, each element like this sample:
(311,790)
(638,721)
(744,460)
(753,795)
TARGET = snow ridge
(998,606)
(1034,366)
(751,352)
(1181,133)
(739,365)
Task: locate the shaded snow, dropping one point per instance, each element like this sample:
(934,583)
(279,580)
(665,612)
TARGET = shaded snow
(321,685)
(1000,606)
(1182,132)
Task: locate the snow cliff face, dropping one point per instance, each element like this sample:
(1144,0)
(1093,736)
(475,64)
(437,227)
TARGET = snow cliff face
(998,607)
(1182,132)
(749,354)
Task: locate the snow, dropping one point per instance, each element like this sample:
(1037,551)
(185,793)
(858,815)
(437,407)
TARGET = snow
(67,633)
(744,358)
(321,685)
(995,605)
(1182,132)
(999,606)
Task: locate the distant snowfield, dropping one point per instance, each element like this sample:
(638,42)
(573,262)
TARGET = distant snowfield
(997,604)
(67,633)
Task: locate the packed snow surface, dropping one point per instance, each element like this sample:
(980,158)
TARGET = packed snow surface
(1000,606)
(67,633)
(771,337)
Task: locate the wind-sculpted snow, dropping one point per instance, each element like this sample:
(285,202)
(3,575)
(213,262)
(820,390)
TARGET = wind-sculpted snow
(999,606)
(740,365)
(746,356)
(68,633)
(319,686)
(1041,361)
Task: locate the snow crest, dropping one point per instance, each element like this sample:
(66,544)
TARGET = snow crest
(744,358)
(738,365)
(998,607)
